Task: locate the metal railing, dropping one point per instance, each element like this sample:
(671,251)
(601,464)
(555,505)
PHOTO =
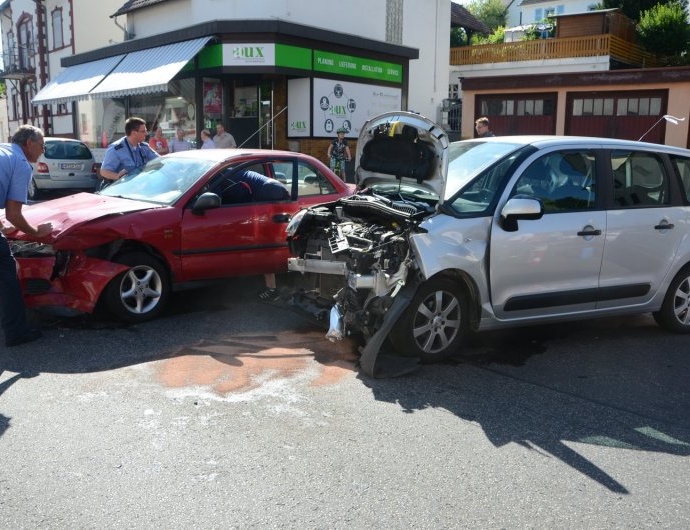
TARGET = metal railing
(542,49)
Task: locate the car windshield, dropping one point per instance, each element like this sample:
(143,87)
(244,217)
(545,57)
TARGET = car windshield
(162,180)
(478,171)
(467,159)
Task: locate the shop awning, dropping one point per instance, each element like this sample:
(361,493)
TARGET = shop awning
(148,71)
(75,82)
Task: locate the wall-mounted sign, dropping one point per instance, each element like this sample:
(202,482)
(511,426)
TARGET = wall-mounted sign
(249,54)
(348,105)
(335,63)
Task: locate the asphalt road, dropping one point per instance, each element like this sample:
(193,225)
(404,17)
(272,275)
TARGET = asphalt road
(229,413)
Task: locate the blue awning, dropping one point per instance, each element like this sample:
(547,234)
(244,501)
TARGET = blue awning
(148,71)
(75,82)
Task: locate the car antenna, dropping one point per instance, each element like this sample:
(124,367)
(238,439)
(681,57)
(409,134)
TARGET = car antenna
(668,118)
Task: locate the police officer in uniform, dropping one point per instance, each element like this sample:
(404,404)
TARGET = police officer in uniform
(128,153)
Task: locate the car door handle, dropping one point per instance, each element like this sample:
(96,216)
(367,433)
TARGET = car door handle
(282,218)
(592,232)
(664,226)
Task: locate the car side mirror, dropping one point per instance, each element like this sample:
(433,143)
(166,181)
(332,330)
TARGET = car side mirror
(206,201)
(520,207)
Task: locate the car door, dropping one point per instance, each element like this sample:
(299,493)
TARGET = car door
(245,237)
(645,221)
(550,266)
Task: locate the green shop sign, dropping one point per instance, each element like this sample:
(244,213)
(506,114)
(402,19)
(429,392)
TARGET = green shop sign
(273,54)
(336,63)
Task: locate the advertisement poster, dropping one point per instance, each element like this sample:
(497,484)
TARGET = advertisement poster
(340,104)
(212,98)
(299,122)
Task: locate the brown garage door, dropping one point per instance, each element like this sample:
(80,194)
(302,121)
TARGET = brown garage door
(626,115)
(519,114)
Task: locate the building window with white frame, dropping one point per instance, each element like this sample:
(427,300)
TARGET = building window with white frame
(56,19)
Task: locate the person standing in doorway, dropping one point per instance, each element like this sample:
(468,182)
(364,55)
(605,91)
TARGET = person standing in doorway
(15,175)
(179,144)
(159,143)
(339,154)
(129,153)
(481,125)
(223,139)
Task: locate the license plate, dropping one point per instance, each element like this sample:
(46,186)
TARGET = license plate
(73,165)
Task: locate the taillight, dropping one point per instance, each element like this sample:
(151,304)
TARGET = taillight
(96,166)
(42,167)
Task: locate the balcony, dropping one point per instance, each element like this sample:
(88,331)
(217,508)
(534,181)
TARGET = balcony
(17,68)
(620,51)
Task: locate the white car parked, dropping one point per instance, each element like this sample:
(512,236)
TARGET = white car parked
(65,164)
(447,238)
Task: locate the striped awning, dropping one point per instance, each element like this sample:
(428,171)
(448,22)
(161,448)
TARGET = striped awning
(75,82)
(148,71)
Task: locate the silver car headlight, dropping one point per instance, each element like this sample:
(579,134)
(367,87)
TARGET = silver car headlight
(294,223)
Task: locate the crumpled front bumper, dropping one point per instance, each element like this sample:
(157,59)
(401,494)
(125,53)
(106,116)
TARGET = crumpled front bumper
(75,289)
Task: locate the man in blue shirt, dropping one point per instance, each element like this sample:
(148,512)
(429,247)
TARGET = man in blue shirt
(15,174)
(129,153)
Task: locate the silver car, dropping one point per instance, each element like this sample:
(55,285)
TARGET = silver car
(65,164)
(448,238)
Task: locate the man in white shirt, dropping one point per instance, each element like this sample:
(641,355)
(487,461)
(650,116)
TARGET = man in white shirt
(223,139)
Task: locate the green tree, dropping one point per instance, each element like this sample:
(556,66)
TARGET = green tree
(490,12)
(632,8)
(458,37)
(664,28)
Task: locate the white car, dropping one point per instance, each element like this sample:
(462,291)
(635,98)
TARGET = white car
(65,164)
(447,238)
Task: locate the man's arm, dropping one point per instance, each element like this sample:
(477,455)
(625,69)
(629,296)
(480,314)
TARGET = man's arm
(13,213)
(112,175)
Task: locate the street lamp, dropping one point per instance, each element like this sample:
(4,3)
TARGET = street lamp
(668,118)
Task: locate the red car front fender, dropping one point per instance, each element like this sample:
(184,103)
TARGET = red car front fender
(78,287)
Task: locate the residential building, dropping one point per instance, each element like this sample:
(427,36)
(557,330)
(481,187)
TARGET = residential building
(589,78)
(278,73)
(36,35)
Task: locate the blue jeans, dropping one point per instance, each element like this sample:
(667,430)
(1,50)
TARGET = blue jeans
(12,309)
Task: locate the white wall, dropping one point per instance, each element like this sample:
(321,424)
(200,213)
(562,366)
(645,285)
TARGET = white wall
(520,15)
(426,26)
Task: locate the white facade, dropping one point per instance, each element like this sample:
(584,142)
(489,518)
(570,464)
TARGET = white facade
(70,27)
(522,12)
(425,25)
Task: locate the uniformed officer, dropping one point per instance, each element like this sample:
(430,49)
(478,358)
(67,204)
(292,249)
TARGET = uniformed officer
(128,153)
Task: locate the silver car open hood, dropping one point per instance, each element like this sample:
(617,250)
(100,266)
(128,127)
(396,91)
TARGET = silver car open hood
(403,146)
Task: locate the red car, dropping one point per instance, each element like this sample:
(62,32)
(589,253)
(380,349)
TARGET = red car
(178,222)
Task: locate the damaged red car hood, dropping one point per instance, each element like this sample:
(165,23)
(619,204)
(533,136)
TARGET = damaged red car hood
(68,213)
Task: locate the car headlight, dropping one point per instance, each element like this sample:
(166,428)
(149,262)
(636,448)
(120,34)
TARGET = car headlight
(293,225)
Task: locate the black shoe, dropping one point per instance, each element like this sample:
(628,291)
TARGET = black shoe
(29,335)
(269,295)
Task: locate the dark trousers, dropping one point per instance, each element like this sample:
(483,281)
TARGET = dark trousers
(12,309)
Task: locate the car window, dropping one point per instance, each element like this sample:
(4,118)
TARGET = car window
(683,168)
(162,180)
(310,181)
(67,151)
(564,181)
(639,180)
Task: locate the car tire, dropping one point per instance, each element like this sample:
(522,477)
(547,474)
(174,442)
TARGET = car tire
(435,324)
(674,314)
(139,293)
(33,191)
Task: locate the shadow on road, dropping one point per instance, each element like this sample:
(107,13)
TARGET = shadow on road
(552,388)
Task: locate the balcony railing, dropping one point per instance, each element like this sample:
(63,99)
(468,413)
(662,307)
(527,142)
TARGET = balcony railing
(537,50)
(16,67)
